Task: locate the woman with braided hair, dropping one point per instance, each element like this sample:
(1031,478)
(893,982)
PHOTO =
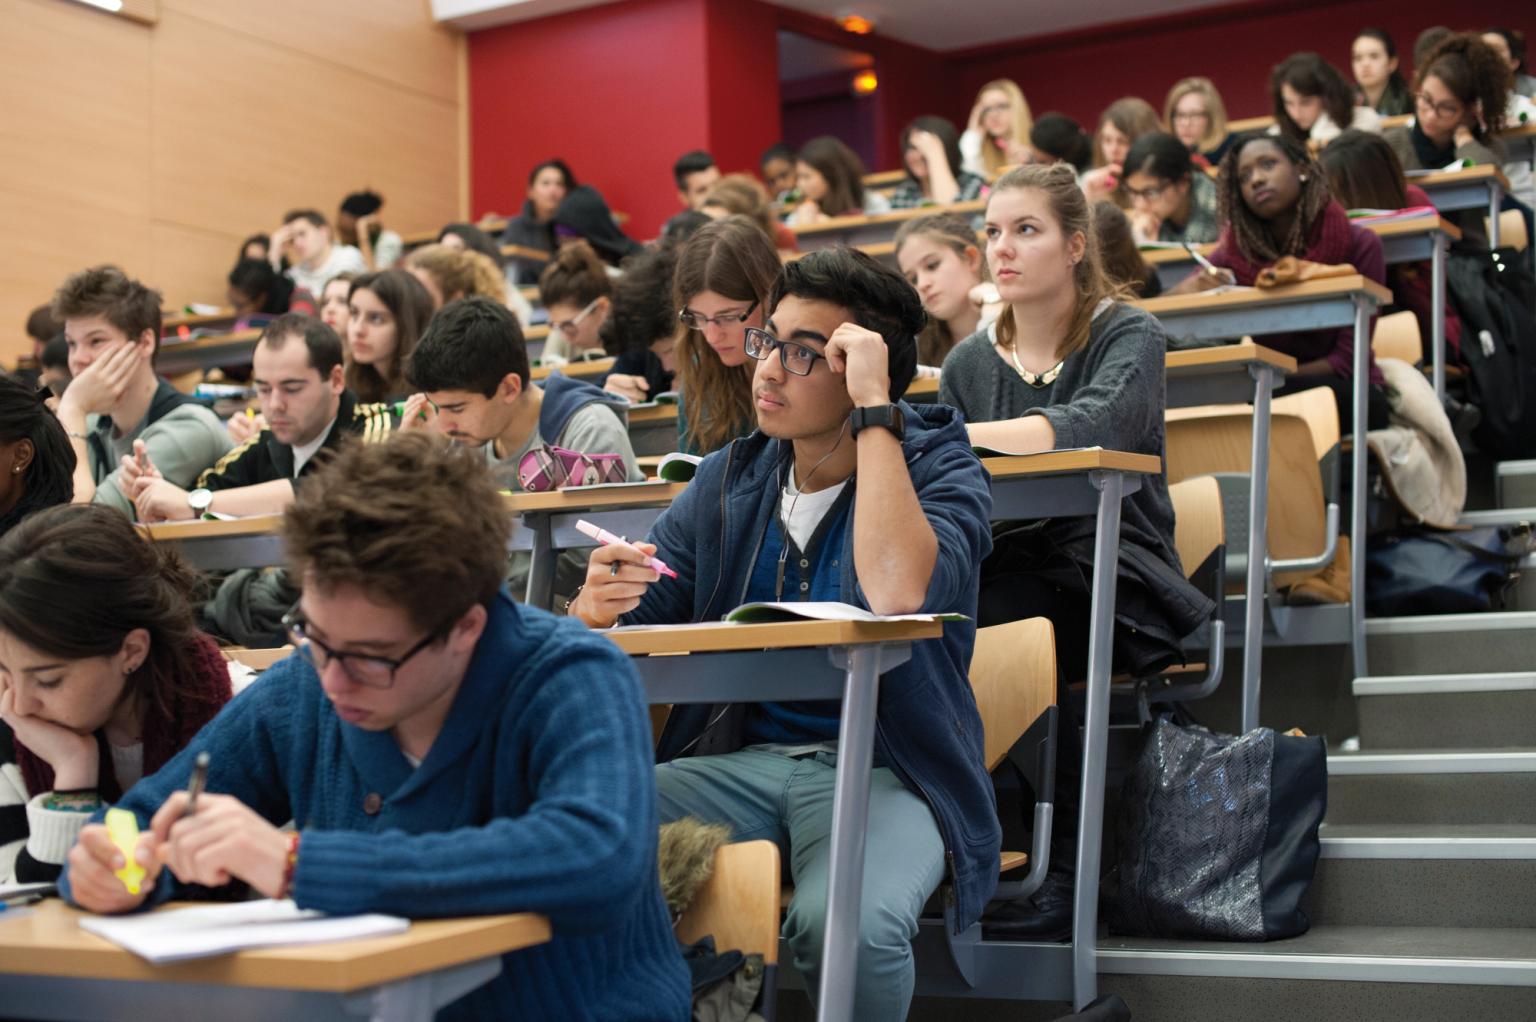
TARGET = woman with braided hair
(1275,202)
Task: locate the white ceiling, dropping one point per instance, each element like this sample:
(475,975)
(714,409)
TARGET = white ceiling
(934,24)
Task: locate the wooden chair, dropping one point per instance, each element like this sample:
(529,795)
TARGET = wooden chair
(1397,336)
(739,907)
(1303,478)
(1511,230)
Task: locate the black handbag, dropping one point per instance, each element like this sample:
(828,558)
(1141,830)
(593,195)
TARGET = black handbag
(1218,835)
(1426,571)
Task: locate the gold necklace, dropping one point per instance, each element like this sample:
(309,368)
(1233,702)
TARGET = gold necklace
(1044,379)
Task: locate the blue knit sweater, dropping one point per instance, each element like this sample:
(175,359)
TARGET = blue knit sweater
(538,796)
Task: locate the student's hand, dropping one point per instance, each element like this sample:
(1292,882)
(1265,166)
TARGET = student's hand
(157,500)
(1018,153)
(809,213)
(927,143)
(861,355)
(634,388)
(973,123)
(223,840)
(74,757)
(1205,280)
(983,294)
(419,413)
(241,427)
(93,883)
(1145,224)
(104,381)
(137,466)
(616,580)
(1101,182)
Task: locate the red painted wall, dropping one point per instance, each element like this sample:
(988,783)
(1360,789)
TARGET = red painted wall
(1081,73)
(742,55)
(619,91)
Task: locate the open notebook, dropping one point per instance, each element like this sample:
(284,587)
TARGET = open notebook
(202,932)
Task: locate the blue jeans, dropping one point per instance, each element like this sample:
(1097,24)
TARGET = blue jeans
(788,801)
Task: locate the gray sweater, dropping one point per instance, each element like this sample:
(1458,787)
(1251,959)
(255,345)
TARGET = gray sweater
(1109,394)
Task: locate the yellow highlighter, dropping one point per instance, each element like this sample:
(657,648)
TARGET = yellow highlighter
(123,829)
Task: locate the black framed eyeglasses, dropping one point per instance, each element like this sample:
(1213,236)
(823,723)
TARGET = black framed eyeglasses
(365,669)
(694,321)
(795,358)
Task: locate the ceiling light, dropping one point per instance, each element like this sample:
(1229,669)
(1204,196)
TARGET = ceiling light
(855,23)
(865,83)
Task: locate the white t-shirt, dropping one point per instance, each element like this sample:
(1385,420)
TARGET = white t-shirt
(803,512)
(343,259)
(302,453)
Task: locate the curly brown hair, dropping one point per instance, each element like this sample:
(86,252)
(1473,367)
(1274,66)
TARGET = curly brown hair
(460,274)
(415,522)
(1252,234)
(1473,73)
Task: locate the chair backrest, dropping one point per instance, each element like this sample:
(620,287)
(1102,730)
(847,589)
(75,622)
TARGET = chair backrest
(1511,230)
(1204,442)
(1013,674)
(1397,336)
(256,659)
(739,905)
(1199,529)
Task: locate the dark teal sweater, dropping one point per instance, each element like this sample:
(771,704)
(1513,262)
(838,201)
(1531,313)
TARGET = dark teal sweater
(537,796)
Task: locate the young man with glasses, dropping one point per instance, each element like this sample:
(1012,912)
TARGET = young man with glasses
(442,750)
(297,370)
(471,367)
(845,493)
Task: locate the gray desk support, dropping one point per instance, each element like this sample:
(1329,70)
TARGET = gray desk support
(850,673)
(1417,248)
(1308,314)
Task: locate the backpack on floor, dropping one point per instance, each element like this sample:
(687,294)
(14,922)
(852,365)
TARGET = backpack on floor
(1419,570)
(1494,293)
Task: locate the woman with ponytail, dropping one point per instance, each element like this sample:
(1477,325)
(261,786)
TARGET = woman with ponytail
(577,291)
(103,675)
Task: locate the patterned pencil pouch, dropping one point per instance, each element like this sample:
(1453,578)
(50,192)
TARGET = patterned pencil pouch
(548,467)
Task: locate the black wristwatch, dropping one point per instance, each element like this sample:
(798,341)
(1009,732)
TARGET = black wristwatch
(888,416)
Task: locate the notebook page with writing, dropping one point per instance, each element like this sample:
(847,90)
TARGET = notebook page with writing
(178,934)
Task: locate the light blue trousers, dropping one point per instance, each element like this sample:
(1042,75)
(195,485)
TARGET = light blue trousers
(788,801)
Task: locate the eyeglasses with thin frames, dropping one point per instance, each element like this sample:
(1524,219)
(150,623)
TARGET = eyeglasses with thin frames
(795,358)
(694,321)
(365,669)
(568,326)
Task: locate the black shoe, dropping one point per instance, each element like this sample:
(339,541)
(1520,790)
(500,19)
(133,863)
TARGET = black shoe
(1045,915)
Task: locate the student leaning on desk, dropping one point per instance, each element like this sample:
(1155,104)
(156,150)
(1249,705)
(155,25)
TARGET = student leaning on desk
(845,493)
(443,751)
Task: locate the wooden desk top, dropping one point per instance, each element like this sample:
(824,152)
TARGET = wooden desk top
(721,636)
(1466,175)
(1389,229)
(256,659)
(47,941)
(1198,361)
(884,178)
(923,387)
(589,498)
(536,333)
(1221,301)
(523,252)
(179,346)
(1398,121)
(593,367)
(255,525)
(896,216)
(652,414)
(1250,124)
(1051,463)
(170,321)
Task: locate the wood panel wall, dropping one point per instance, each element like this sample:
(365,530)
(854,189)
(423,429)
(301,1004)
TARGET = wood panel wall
(160,147)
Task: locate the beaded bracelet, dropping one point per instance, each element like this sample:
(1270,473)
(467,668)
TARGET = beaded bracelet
(292,863)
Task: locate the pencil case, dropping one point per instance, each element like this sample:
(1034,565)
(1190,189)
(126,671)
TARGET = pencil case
(548,467)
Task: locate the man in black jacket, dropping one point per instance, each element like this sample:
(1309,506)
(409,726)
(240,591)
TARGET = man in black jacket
(308,411)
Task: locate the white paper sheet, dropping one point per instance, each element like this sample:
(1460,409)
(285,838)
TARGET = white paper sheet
(209,930)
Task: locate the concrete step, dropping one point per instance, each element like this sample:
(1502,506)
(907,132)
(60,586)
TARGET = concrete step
(1425,875)
(1452,643)
(1330,974)
(1447,711)
(1432,787)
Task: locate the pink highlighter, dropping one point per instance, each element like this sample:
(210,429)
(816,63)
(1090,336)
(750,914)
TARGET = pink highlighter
(607,538)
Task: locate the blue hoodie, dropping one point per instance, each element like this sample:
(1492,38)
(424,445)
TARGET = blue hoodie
(564,396)
(928,729)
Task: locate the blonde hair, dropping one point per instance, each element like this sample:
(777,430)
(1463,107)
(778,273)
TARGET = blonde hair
(463,274)
(1059,184)
(1216,111)
(1131,116)
(994,159)
(955,233)
(741,195)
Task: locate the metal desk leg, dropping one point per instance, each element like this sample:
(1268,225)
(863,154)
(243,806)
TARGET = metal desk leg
(1258,547)
(541,572)
(1357,497)
(1090,830)
(850,818)
(1437,312)
(1495,200)
(418,998)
